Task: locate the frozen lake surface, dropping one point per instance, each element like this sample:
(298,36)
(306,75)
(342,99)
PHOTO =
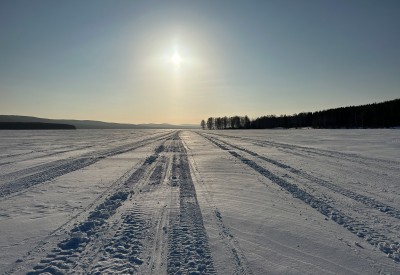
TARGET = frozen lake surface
(200,202)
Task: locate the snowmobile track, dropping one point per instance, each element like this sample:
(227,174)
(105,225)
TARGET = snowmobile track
(368,201)
(239,260)
(111,236)
(189,251)
(62,167)
(291,148)
(71,250)
(385,244)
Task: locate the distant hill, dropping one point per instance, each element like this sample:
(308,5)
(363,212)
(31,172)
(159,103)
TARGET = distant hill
(92,124)
(35,126)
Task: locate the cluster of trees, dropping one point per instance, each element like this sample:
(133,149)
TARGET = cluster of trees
(219,123)
(376,115)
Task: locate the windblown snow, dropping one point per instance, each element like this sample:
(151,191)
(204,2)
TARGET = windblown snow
(200,202)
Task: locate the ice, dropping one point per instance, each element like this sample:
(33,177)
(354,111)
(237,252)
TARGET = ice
(200,202)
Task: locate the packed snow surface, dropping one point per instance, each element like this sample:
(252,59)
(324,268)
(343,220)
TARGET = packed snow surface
(200,202)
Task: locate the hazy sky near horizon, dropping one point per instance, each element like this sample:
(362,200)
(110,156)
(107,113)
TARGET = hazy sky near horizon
(183,61)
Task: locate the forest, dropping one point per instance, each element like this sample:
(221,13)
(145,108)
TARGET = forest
(35,126)
(376,115)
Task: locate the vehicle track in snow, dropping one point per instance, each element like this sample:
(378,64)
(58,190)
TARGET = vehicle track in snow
(154,219)
(8,160)
(382,170)
(58,168)
(387,245)
(15,175)
(189,251)
(368,201)
(47,153)
(106,234)
(239,261)
(51,149)
(146,223)
(301,150)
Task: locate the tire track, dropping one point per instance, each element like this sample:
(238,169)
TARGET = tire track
(59,168)
(122,249)
(388,246)
(239,260)
(368,201)
(62,149)
(48,154)
(189,251)
(122,253)
(321,152)
(40,167)
(77,216)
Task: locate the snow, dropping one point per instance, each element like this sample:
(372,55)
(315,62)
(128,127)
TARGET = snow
(200,202)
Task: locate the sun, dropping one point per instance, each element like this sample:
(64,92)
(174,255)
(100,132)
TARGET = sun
(176,59)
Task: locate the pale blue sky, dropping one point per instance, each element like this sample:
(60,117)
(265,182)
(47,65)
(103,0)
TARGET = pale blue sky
(111,60)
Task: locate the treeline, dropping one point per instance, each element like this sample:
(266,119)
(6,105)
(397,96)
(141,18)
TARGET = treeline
(35,126)
(376,115)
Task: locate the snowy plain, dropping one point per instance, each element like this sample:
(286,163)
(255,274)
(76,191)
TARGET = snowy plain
(200,202)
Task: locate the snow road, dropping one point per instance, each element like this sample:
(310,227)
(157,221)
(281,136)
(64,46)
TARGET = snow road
(200,202)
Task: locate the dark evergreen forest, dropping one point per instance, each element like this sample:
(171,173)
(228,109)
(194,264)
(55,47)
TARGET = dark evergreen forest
(376,115)
(35,126)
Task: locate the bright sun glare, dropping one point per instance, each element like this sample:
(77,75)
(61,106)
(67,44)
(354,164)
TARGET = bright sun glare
(176,59)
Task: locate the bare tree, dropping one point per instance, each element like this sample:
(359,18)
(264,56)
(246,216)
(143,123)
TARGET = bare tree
(210,123)
(225,122)
(203,124)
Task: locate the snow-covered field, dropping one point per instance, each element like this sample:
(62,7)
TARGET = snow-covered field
(200,202)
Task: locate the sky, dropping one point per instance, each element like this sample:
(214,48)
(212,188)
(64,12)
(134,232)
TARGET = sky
(182,61)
